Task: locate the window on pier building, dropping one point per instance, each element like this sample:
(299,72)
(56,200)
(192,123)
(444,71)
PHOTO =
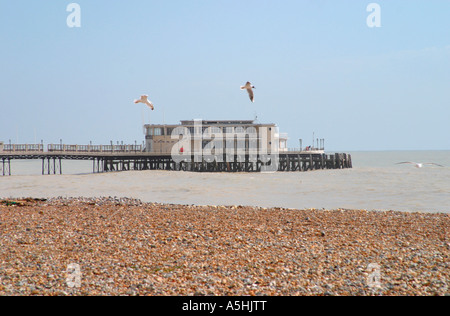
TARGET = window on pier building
(169,130)
(158,131)
(209,144)
(229,130)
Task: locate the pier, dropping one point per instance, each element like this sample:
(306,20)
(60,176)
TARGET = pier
(117,158)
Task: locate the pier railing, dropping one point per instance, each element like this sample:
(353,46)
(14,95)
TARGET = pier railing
(94,148)
(54,148)
(306,149)
(23,147)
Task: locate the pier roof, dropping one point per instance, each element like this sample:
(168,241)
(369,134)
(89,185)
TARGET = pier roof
(219,122)
(215,122)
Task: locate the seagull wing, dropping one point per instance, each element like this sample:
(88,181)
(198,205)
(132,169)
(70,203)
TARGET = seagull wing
(150,105)
(251,95)
(434,164)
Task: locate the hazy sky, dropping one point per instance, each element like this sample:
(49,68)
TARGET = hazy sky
(316,65)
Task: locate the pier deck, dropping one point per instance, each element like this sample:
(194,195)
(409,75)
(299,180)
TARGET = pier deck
(126,161)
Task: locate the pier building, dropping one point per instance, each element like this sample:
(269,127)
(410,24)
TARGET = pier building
(197,135)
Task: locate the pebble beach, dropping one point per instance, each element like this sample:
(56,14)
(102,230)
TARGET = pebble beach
(123,246)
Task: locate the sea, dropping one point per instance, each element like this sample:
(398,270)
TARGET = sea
(376,182)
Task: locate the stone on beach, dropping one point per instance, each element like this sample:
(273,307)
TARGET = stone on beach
(125,247)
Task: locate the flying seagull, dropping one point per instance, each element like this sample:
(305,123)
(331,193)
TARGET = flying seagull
(144,99)
(419,164)
(249,87)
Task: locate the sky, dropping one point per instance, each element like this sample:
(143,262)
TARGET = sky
(316,64)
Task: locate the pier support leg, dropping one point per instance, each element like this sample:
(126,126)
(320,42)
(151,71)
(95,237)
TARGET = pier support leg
(5,167)
(51,167)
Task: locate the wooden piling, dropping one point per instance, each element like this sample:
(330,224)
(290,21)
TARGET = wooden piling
(287,162)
